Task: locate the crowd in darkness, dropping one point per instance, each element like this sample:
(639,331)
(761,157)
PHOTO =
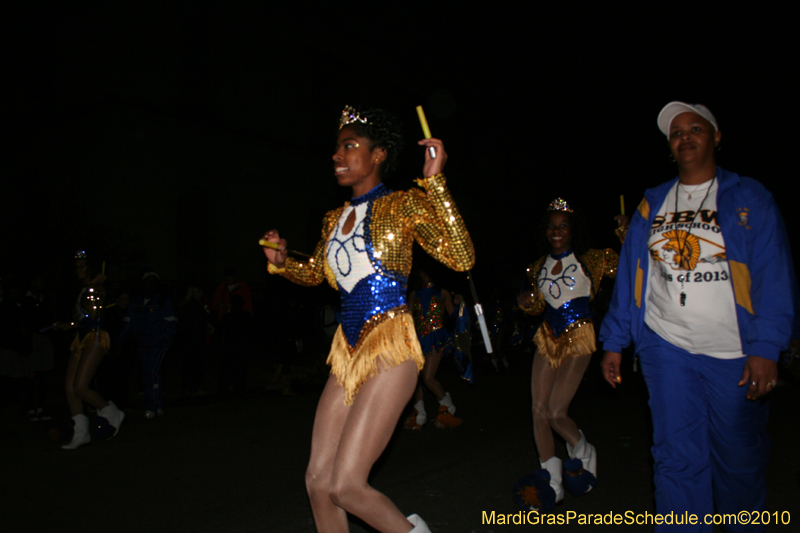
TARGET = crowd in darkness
(194,340)
(221,340)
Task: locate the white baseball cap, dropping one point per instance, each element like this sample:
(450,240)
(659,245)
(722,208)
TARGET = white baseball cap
(673,109)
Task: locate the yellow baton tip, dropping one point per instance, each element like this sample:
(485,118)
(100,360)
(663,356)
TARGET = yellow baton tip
(423,122)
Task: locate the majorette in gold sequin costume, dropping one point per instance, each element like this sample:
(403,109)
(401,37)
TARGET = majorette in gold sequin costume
(89,311)
(568,331)
(377,330)
(428,310)
(563,287)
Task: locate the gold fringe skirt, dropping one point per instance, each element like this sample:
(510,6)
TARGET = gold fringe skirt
(577,340)
(99,338)
(388,344)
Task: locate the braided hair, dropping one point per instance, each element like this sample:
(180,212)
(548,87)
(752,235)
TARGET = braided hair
(383,131)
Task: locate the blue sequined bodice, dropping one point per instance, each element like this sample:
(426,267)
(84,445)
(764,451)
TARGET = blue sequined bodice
(377,291)
(566,294)
(569,312)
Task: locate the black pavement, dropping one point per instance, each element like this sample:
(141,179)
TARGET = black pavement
(236,465)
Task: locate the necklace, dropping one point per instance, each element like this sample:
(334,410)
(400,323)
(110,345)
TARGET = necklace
(682,242)
(694,189)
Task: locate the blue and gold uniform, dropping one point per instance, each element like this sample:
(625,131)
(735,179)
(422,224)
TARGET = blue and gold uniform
(568,330)
(89,315)
(370,267)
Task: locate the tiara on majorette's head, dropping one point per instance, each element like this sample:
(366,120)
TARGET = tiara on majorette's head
(81,254)
(559,204)
(351,115)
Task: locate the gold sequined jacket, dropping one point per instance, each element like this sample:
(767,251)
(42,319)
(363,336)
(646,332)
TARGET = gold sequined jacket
(427,216)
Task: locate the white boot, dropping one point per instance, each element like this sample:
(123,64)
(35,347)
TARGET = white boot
(114,416)
(418,417)
(553,467)
(445,418)
(81,434)
(586,453)
(422,415)
(419,524)
(447,401)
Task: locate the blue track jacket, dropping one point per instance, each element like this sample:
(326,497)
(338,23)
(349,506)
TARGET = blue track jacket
(762,275)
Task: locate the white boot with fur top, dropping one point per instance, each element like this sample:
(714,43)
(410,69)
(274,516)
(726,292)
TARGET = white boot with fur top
(80,436)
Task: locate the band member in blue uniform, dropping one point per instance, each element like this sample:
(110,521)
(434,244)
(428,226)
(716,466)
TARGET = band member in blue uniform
(704,294)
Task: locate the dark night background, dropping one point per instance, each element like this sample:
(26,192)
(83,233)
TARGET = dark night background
(172,137)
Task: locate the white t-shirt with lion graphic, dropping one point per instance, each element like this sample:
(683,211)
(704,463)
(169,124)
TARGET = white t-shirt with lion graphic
(687,255)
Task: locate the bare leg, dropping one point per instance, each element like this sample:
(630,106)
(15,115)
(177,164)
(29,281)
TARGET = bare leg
(542,380)
(419,417)
(90,359)
(328,424)
(432,360)
(418,393)
(428,376)
(568,378)
(367,430)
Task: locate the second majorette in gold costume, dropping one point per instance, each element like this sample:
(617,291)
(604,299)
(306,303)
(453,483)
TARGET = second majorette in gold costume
(370,267)
(564,298)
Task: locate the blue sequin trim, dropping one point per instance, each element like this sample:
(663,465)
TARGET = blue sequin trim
(341,255)
(559,319)
(439,339)
(376,192)
(562,255)
(362,231)
(555,289)
(425,295)
(88,324)
(377,293)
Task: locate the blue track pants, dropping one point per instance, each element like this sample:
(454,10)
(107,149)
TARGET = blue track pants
(710,443)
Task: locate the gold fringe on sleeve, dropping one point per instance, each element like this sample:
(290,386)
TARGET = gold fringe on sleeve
(389,344)
(577,340)
(99,338)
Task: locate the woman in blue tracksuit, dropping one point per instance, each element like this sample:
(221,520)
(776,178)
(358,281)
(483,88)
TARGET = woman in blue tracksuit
(151,323)
(703,292)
